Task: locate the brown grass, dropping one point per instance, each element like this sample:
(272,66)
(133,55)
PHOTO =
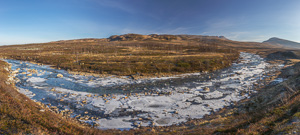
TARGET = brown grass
(149,55)
(126,57)
(19,114)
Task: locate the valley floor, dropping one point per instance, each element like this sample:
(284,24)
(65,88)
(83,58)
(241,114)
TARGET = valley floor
(124,103)
(274,109)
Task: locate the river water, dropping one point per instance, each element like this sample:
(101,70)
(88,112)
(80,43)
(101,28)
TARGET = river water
(124,103)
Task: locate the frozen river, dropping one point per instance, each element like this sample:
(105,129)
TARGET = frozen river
(121,102)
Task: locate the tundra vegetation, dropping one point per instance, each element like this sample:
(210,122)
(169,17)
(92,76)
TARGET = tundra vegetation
(148,55)
(273,110)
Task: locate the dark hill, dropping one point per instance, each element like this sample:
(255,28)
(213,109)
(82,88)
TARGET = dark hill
(283,43)
(283,55)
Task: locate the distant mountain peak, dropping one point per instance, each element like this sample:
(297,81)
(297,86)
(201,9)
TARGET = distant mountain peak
(283,43)
(272,38)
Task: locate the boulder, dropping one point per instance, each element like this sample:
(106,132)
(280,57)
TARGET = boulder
(206,89)
(59,75)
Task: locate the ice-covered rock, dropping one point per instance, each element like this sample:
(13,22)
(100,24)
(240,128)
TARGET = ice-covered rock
(213,95)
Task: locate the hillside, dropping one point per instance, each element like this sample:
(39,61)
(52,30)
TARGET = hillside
(156,37)
(283,43)
(147,55)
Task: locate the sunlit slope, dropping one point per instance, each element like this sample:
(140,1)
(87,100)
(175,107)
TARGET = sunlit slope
(146,55)
(283,43)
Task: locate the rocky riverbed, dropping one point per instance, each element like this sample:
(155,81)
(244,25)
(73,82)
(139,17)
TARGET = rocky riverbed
(124,103)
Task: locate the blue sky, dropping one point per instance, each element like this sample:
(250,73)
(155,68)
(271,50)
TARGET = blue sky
(34,21)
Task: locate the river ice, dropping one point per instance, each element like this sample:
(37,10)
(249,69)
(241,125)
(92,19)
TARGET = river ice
(123,103)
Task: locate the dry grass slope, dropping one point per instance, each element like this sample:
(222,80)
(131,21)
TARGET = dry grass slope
(148,55)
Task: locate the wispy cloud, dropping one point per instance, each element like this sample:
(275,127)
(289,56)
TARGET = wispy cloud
(237,34)
(117,4)
(221,24)
(251,36)
(231,28)
(161,30)
(129,7)
(137,31)
(179,30)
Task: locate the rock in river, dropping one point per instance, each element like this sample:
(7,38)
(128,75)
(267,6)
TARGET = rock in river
(59,75)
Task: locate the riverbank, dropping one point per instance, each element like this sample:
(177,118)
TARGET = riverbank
(213,123)
(20,115)
(124,103)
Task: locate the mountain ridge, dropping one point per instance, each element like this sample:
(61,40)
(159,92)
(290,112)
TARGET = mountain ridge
(140,37)
(282,43)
